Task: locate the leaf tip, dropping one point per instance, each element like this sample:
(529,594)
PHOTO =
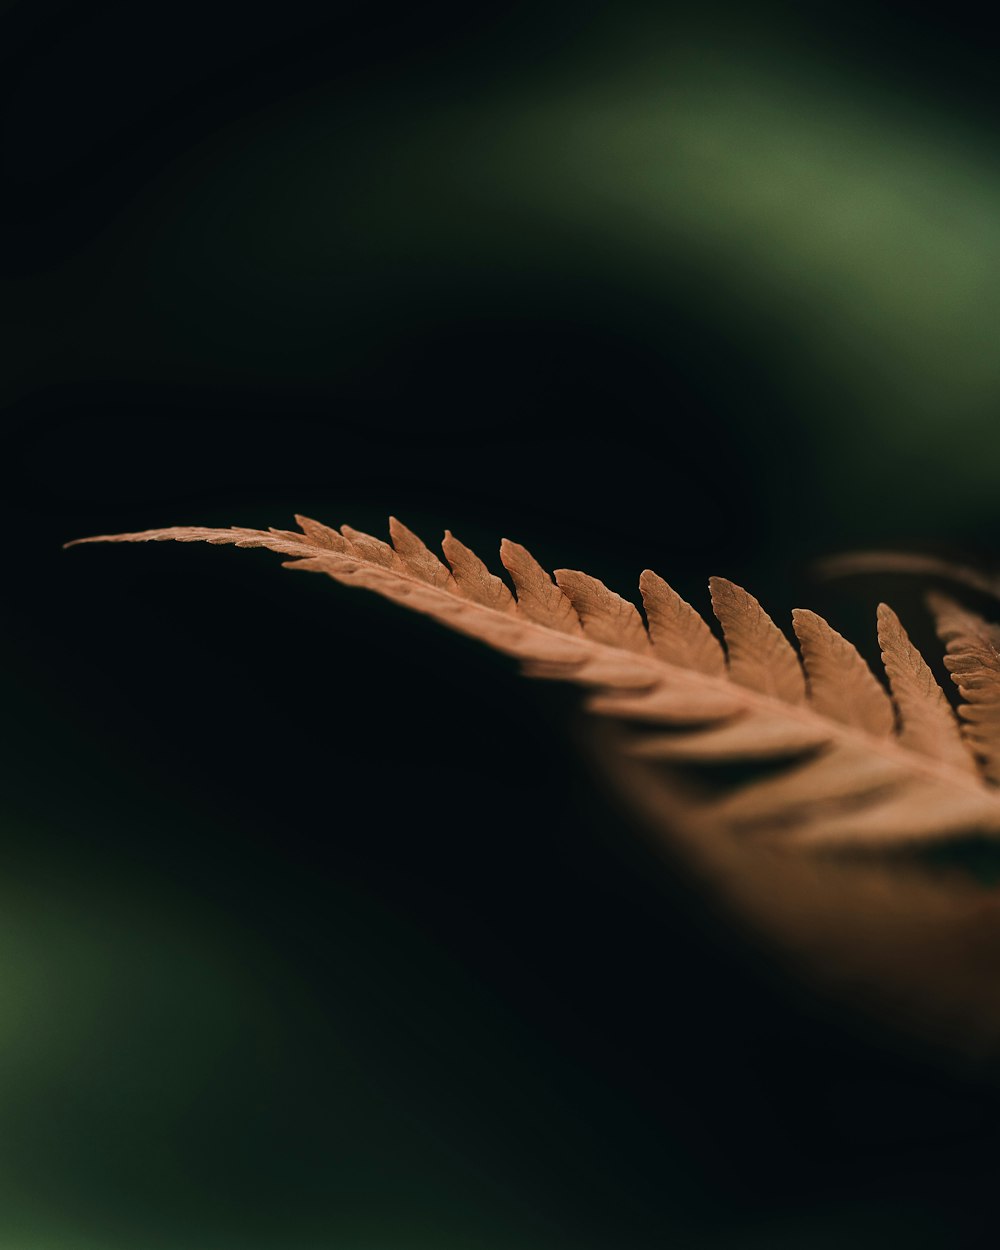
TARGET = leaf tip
(514,553)
(724,588)
(726,593)
(805,620)
(93,538)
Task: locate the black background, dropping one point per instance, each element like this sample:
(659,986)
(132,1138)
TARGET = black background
(472,1006)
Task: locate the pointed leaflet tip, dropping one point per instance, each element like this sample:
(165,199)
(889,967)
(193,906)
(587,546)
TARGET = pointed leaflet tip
(927,723)
(841,685)
(320,535)
(473,579)
(538,597)
(760,656)
(678,634)
(367,547)
(605,616)
(417,557)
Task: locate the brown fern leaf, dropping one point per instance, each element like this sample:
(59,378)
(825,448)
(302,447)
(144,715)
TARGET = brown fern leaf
(928,723)
(760,656)
(973,660)
(678,634)
(850,778)
(841,685)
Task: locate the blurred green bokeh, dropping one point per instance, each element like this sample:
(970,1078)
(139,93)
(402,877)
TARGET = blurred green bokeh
(847,234)
(168,1080)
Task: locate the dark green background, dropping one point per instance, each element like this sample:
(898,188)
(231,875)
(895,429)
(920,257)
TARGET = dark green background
(314,930)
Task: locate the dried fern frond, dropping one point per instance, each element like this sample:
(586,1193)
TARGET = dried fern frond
(861,769)
(844,765)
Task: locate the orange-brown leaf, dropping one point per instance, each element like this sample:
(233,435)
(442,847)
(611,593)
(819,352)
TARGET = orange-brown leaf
(605,616)
(760,656)
(538,597)
(841,685)
(973,660)
(927,723)
(678,634)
